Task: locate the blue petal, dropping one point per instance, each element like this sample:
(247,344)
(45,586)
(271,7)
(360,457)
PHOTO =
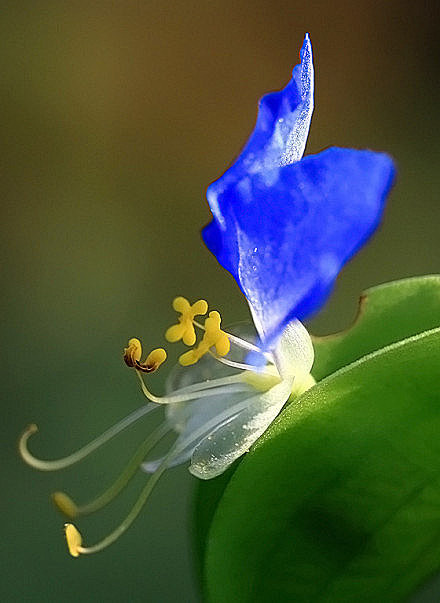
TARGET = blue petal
(279,138)
(285,233)
(283,121)
(282,127)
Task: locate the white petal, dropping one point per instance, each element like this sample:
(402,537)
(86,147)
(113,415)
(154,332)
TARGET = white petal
(294,353)
(227,442)
(195,420)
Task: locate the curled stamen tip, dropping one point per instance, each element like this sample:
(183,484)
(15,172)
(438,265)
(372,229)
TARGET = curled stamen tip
(65,504)
(30,430)
(74,539)
(22,442)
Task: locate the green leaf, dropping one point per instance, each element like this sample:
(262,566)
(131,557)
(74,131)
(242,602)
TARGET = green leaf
(206,499)
(340,499)
(387,314)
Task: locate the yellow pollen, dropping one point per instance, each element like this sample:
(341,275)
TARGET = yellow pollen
(133,354)
(65,504)
(74,539)
(213,337)
(184,329)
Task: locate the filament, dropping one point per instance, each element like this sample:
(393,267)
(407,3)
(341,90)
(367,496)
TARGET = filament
(74,539)
(69,508)
(240,365)
(126,523)
(206,390)
(75,457)
(210,383)
(241,343)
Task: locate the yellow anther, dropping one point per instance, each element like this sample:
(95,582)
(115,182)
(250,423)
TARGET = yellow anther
(184,329)
(74,539)
(155,359)
(216,336)
(191,357)
(65,504)
(213,337)
(133,354)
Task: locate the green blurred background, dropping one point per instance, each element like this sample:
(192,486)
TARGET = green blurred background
(116,116)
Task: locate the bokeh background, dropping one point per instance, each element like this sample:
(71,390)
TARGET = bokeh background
(116,116)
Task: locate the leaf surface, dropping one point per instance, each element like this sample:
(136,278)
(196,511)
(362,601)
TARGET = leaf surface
(340,499)
(388,313)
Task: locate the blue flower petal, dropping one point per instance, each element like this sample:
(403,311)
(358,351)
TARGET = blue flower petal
(279,137)
(283,121)
(282,127)
(285,233)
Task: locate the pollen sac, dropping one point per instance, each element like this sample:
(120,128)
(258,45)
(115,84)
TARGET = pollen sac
(192,356)
(213,337)
(153,361)
(184,329)
(133,354)
(65,504)
(74,539)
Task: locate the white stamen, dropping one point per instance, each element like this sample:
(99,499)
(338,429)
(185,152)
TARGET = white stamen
(205,391)
(136,509)
(77,456)
(128,472)
(240,365)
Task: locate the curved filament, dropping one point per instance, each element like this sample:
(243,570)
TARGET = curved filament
(75,457)
(66,505)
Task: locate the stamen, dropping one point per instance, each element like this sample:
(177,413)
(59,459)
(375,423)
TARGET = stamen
(204,391)
(241,365)
(193,356)
(239,342)
(212,337)
(74,539)
(80,454)
(133,354)
(153,361)
(210,384)
(184,329)
(66,505)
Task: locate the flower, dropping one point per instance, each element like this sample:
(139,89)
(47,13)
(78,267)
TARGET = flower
(217,403)
(283,226)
